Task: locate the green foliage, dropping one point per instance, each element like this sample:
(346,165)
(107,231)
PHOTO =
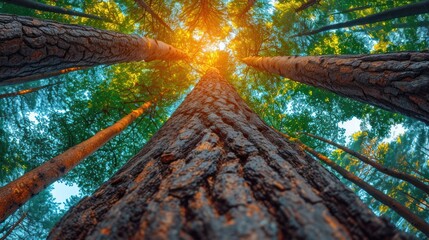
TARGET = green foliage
(41,125)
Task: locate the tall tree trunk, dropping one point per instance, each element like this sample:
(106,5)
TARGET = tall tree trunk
(44,7)
(402,211)
(16,224)
(148,9)
(395,26)
(215,170)
(306,5)
(403,11)
(391,172)
(396,81)
(26,91)
(354,9)
(29,78)
(30,46)
(246,9)
(18,192)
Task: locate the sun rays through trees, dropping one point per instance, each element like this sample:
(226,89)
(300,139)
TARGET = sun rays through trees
(344,80)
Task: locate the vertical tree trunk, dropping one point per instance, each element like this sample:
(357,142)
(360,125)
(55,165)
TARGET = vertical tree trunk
(30,46)
(396,81)
(403,11)
(19,191)
(215,170)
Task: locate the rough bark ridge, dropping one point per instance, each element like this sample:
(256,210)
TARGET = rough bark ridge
(396,81)
(30,46)
(216,171)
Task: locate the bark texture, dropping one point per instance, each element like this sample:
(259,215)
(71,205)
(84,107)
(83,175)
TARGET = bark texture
(396,81)
(18,192)
(403,11)
(215,170)
(30,47)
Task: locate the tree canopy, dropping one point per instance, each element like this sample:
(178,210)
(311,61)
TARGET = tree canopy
(72,107)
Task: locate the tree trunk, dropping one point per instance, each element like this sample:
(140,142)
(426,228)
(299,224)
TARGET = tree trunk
(18,192)
(10,230)
(354,9)
(389,171)
(29,78)
(44,7)
(402,211)
(403,11)
(395,26)
(396,81)
(26,91)
(246,9)
(148,9)
(216,171)
(306,5)
(30,46)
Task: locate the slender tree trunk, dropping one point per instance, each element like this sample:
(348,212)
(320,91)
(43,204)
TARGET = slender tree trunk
(397,26)
(19,80)
(26,91)
(30,46)
(4,237)
(306,5)
(216,171)
(246,9)
(391,172)
(148,9)
(44,7)
(404,212)
(396,81)
(404,11)
(18,192)
(353,9)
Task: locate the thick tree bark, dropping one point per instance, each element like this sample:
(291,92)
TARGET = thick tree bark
(30,46)
(403,11)
(389,171)
(43,7)
(396,81)
(216,171)
(148,9)
(18,192)
(26,91)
